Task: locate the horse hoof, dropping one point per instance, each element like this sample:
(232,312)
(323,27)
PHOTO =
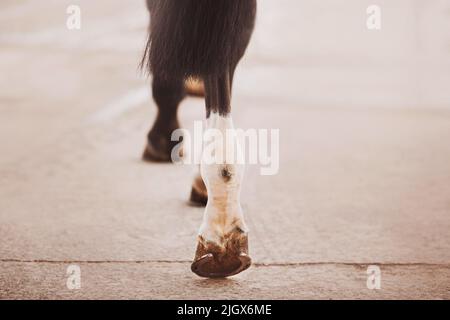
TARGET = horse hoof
(214,261)
(150,154)
(199,193)
(206,266)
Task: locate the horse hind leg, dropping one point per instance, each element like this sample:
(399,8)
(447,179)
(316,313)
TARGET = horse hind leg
(167,94)
(222,248)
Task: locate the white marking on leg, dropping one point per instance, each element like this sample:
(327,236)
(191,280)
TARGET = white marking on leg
(223,180)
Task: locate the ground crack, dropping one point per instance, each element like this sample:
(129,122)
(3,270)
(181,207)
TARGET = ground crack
(256,264)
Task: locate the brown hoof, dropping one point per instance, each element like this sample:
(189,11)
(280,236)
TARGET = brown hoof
(152,155)
(199,194)
(214,261)
(195,87)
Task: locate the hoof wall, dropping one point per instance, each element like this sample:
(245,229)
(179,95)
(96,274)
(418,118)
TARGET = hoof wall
(199,194)
(151,154)
(198,199)
(214,261)
(207,266)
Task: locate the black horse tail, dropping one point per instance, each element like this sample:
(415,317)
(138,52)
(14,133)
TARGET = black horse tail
(197,38)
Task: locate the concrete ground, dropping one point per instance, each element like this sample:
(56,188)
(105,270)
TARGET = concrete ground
(364,159)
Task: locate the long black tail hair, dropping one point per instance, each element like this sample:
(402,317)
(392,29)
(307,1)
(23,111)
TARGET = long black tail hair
(197,38)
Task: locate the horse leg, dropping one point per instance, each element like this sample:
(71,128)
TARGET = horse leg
(167,94)
(199,193)
(222,248)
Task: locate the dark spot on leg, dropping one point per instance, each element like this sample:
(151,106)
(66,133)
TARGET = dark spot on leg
(226,174)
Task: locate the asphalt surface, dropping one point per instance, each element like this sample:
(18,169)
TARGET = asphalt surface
(364,175)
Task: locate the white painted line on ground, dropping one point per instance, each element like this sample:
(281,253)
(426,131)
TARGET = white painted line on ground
(121,105)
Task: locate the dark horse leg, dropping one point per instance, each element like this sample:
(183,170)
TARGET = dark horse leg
(167,94)
(204,39)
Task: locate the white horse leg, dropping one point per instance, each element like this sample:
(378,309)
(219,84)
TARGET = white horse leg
(223,237)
